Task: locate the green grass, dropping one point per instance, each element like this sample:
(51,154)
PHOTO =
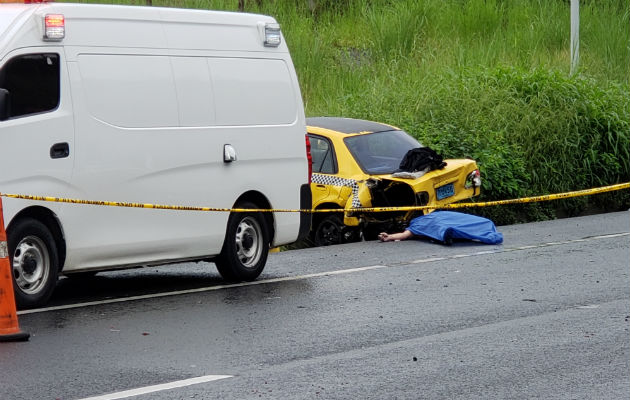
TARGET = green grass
(487,79)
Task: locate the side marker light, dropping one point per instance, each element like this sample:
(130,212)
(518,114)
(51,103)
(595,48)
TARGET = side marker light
(272,35)
(54,27)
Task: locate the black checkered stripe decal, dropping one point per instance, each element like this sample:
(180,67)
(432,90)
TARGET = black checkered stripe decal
(321,179)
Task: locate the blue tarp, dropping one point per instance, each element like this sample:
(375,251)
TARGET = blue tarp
(447,225)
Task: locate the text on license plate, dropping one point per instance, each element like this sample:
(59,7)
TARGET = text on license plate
(445,191)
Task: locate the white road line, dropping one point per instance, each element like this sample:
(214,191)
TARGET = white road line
(202,289)
(427,260)
(158,388)
(481,253)
(315,275)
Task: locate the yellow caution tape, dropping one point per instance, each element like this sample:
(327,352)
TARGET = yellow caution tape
(534,199)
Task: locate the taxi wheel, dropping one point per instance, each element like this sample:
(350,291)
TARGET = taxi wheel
(329,231)
(246,245)
(34,262)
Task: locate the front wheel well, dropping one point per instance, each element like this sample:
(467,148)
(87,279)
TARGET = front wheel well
(50,220)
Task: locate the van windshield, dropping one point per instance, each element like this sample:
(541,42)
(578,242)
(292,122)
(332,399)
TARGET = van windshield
(380,152)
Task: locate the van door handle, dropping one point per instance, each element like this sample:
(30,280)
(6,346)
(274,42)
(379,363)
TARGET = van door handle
(60,150)
(229,153)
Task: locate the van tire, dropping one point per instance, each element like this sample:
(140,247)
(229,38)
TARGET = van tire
(246,245)
(34,262)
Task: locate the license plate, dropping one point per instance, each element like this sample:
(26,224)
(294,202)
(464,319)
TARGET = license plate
(445,191)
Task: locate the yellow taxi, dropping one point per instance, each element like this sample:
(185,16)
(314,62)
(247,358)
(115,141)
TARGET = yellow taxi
(357,163)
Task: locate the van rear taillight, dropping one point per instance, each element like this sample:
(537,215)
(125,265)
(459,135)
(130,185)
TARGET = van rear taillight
(309,158)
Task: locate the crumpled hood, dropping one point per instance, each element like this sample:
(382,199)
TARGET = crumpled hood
(438,177)
(387,191)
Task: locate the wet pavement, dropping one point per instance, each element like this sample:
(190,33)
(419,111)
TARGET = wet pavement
(545,315)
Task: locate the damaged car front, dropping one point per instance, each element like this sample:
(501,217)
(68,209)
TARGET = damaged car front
(380,167)
(393,181)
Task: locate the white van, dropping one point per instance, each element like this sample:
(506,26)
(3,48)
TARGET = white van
(146,105)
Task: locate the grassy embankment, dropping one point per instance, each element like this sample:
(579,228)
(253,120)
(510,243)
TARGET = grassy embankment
(488,79)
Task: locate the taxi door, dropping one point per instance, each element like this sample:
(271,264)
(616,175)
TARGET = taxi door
(323,177)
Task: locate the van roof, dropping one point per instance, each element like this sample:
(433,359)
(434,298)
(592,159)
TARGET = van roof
(137,26)
(10,14)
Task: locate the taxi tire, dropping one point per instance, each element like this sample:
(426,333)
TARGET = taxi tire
(34,245)
(329,231)
(245,247)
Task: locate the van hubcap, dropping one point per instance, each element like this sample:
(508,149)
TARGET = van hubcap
(249,242)
(31,264)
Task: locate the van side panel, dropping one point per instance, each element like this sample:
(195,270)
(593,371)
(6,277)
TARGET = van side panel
(130,91)
(195,96)
(252,92)
(165,165)
(213,35)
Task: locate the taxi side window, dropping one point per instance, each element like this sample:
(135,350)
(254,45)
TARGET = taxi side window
(32,81)
(323,156)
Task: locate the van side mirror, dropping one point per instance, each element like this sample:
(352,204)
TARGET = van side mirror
(5,105)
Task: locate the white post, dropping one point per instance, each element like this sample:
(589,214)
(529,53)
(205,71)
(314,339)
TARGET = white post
(575,35)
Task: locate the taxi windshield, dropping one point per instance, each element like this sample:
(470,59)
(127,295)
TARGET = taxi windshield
(380,152)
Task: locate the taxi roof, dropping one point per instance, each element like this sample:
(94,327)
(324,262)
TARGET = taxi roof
(348,126)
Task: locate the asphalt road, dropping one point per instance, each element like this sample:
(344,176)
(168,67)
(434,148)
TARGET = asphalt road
(545,315)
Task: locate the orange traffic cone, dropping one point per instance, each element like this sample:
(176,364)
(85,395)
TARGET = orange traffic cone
(9,329)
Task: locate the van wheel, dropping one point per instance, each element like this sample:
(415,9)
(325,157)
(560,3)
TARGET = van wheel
(34,261)
(246,246)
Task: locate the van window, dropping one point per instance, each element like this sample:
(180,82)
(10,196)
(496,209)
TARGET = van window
(33,83)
